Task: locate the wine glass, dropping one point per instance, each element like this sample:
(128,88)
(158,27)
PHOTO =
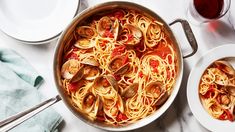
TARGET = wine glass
(203,11)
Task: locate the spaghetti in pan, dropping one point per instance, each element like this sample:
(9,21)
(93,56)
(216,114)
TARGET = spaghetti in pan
(120,67)
(217,90)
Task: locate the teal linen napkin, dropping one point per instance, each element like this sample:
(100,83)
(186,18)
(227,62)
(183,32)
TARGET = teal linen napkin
(18,91)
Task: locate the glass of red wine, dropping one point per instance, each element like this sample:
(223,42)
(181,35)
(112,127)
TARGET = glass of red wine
(202,11)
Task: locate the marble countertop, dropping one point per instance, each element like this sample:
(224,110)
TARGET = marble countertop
(178,117)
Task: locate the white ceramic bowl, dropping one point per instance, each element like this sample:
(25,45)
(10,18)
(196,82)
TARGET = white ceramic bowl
(215,125)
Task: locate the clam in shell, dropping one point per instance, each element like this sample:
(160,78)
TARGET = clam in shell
(90,61)
(117,67)
(106,81)
(69,68)
(231,89)
(130,91)
(157,90)
(78,75)
(86,32)
(91,72)
(135,35)
(225,67)
(90,104)
(85,43)
(112,82)
(88,70)
(106,24)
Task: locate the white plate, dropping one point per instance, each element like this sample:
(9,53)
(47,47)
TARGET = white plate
(215,125)
(36,21)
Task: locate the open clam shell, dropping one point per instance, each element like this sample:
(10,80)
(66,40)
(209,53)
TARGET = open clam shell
(123,69)
(158,91)
(106,24)
(116,29)
(90,104)
(69,68)
(117,67)
(78,75)
(155,89)
(130,91)
(90,61)
(106,81)
(85,43)
(231,89)
(112,81)
(225,67)
(91,72)
(86,32)
(88,71)
(135,34)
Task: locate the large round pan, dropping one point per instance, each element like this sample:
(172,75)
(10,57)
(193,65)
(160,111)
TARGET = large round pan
(63,45)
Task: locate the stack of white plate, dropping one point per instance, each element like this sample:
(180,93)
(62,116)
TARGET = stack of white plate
(36,21)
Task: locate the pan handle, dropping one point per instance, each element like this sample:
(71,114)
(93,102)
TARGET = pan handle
(13,121)
(189,34)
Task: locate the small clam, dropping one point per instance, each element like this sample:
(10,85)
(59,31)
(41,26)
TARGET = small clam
(78,75)
(112,82)
(117,67)
(135,33)
(155,89)
(225,67)
(91,72)
(130,91)
(106,24)
(122,69)
(101,81)
(69,68)
(91,103)
(90,61)
(85,43)
(116,29)
(106,81)
(231,89)
(86,31)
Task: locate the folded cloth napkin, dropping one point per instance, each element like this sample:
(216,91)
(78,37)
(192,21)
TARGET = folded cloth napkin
(19,84)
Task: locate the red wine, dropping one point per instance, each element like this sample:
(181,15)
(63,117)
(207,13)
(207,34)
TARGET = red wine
(209,9)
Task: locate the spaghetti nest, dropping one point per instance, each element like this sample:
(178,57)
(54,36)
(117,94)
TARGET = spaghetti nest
(120,68)
(217,90)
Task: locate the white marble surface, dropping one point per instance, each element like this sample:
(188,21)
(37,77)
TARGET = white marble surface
(178,118)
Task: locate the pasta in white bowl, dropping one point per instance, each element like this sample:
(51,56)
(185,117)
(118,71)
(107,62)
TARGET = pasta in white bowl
(209,99)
